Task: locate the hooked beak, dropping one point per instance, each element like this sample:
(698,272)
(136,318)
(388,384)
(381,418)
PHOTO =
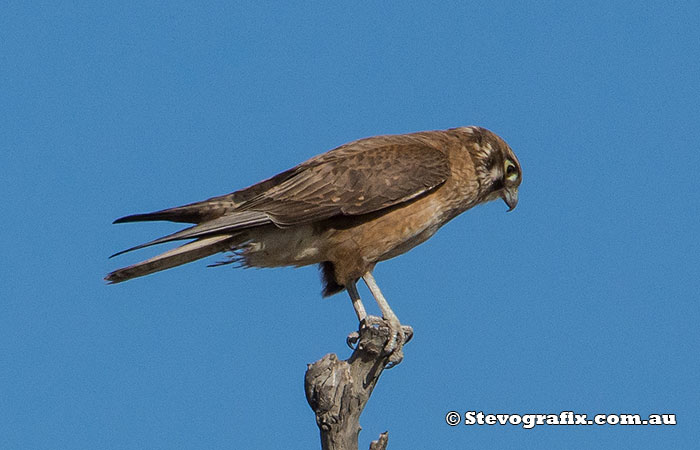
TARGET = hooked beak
(510,196)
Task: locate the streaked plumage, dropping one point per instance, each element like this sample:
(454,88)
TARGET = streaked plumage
(346,209)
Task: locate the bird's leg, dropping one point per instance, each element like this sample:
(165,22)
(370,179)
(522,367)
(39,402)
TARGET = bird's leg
(356,301)
(359,310)
(400,335)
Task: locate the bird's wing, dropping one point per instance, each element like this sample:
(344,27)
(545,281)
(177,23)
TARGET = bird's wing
(353,182)
(211,208)
(354,179)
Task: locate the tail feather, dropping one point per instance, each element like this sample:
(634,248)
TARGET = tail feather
(191,213)
(154,216)
(186,253)
(226,224)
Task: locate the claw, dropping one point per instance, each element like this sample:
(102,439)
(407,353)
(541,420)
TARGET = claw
(407,332)
(395,347)
(394,359)
(352,339)
(400,335)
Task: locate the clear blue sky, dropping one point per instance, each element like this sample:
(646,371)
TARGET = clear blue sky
(585,298)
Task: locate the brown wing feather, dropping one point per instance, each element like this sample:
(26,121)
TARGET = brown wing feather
(354,180)
(357,178)
(210,208)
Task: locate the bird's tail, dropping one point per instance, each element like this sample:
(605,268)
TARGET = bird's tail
(191,251)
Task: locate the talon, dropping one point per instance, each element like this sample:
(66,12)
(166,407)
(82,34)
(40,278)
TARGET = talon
(395,358)
(352,339)
(397,335)
(369,321)
(394,347)
(407,333)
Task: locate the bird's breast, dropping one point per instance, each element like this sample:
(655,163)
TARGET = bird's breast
(390,234)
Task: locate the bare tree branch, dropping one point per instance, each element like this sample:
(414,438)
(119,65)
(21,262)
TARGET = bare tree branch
(338,390)
(380,444)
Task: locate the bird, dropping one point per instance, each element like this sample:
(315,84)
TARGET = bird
(346,210)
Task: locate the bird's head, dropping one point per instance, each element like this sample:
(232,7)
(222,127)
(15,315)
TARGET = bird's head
(497,167)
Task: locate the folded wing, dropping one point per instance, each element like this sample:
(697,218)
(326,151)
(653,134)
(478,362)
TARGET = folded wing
(358,178)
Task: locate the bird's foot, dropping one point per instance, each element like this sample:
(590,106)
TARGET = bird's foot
(399,335)
(369,321)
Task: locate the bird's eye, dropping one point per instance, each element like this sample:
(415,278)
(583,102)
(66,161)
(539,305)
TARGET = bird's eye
(511,171)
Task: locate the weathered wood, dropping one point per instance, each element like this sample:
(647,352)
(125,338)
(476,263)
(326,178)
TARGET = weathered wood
(380,444)
(338,390)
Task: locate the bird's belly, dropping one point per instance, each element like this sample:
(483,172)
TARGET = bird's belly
(276,247)
(355,248)
(394,233)
(409,243)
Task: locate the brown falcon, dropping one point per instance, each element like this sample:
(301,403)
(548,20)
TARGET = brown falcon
(346,210)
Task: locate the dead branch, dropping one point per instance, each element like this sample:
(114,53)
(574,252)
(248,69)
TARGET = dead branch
(338,390)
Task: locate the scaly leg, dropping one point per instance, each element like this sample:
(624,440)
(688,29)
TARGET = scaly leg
(359,310)
(400,335)
(356,302)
